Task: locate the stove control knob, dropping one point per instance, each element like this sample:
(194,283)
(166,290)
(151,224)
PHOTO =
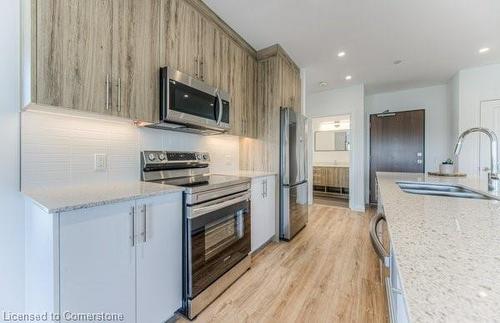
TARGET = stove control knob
(205,156)
(161,157)
(151,157)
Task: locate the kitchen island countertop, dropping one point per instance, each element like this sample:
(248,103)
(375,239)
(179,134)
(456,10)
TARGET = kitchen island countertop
(447,250)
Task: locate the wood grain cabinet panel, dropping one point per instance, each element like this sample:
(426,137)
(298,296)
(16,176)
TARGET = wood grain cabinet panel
(331,176)
(73,54)
(104,56)
(136,65)
(180,36)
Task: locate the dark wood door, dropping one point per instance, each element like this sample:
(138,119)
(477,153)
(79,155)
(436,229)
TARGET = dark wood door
(396,144)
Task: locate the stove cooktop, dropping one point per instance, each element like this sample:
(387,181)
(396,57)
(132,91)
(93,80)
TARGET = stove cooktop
(205,183)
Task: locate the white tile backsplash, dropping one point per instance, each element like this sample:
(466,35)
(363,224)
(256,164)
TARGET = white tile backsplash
(59,149)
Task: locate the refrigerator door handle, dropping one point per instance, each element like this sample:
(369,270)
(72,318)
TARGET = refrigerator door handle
(285,141)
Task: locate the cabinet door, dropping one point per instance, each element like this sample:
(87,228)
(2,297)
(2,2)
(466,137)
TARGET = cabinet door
(263,211)
(159,257)
(97,261)
(180,36)
(249,115)
(237,76)
(209,36)
(136,50)
(270,201)
(73,54)
(258,213)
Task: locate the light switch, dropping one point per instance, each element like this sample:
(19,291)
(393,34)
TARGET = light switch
(100,162)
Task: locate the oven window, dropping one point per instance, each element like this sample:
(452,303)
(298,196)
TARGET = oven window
(218,241)
(223,233)
(191,101)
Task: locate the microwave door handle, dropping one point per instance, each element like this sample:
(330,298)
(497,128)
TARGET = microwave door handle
(219,119)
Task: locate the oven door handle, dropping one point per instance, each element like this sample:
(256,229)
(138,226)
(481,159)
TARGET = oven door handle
(201,210)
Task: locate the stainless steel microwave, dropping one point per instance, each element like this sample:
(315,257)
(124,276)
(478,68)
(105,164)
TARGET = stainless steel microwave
(190,103)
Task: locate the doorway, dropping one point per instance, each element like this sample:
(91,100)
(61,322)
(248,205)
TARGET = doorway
(331,160)
(397,144)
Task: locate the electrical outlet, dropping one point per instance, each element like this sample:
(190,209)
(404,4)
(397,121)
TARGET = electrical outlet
(100,162)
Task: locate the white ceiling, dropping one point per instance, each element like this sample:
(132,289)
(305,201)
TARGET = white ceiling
(434,38)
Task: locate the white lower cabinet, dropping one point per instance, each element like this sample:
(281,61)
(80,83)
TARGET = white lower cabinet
(120,259)
(97,261)
(263,210)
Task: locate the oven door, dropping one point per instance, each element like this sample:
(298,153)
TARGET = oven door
(218,238)
(189,101)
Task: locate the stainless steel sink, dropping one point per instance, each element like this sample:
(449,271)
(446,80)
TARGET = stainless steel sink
(441,190)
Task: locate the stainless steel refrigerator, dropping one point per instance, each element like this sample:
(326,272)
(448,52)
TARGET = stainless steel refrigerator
(293,174)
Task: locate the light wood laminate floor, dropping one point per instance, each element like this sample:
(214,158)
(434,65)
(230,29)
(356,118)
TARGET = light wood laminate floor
(327,273)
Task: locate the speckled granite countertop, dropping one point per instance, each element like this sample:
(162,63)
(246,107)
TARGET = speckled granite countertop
(63,199)
(250,174)
(447,250)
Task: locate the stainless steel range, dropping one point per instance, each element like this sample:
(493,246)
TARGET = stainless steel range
(216,237)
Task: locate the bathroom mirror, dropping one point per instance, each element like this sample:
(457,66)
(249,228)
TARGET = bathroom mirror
(334,140)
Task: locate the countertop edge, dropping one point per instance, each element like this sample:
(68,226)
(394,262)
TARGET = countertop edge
(88,205)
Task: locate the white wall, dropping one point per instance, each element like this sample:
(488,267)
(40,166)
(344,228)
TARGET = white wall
(12,215)
(474,86)
(345,101)
(438,120)
(59,149)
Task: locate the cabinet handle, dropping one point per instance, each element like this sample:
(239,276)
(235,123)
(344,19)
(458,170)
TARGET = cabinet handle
(202,72)
(119,95)
(265,188)
(145,213)
(196,67)
(107,91)
(132,214)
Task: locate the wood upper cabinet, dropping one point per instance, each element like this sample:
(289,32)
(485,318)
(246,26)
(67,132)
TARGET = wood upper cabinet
(73,54)
(136,50)
(290,78)
(180,37)
(99,56)
(104,56)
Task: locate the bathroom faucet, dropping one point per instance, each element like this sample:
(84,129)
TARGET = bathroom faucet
(493,176)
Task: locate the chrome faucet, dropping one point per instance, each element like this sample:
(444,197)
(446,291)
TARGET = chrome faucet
(493,176)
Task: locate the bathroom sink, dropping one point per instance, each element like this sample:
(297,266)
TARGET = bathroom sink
(441,190)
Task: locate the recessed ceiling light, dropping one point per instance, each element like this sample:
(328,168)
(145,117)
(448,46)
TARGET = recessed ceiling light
(323,83)
(484,50)
(348,77)
(341,54)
